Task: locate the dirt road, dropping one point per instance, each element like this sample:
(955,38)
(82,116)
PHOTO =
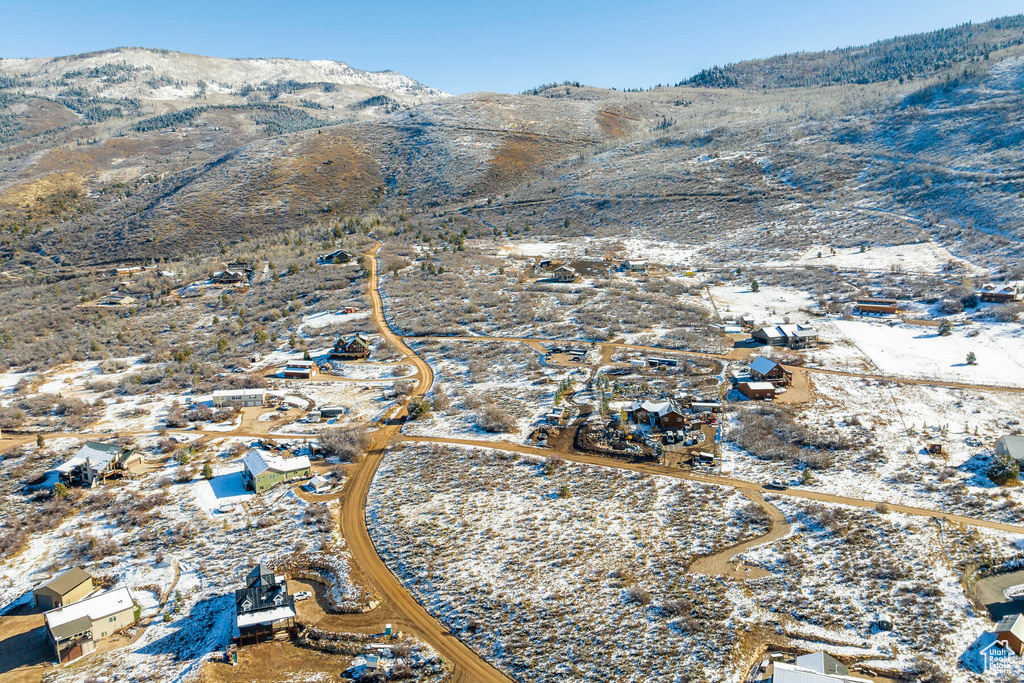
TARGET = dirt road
(720,564)
(468,665)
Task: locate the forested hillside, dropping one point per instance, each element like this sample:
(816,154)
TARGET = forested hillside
(905,57)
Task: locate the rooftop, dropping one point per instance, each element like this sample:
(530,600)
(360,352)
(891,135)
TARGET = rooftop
(96,607)
(258,461)
(67,580)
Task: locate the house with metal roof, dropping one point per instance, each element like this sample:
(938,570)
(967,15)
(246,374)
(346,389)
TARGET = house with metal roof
(766,370)
(792,336)
(263,471)
(263,608)
(74,629)
(95,462)
(661,414)
(815,667)
(67,587)
(1011,445)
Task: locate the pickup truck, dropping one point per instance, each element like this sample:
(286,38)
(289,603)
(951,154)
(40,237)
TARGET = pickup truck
(774,485)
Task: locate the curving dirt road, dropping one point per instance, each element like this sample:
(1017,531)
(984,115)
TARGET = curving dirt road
(468,665)
(720,564)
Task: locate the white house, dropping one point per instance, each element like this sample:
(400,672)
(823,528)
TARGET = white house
(243,398)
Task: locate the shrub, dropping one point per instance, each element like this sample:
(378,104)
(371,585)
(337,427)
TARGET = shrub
(1003,470)
(345,442)
(492,418)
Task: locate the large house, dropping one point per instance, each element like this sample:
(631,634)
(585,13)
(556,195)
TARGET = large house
(96,462)
(1001,292)
(563,274)
(263,471)
(661,414)
(816,667)
(243,398)
(230,277)
(299,369)
(1011,445)
(336,256)
(74,629)
(263,609)
(793,336)
(65,588)
(351,348)
(766,370)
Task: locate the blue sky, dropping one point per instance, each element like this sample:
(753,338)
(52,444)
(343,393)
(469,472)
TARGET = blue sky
(462,46)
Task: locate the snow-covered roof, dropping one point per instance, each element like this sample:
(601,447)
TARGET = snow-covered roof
(95,608)
(258,461)
(658,408)
(762,365)
(97,454)
(305,364)
(237,393)
(265,616)
(759,386)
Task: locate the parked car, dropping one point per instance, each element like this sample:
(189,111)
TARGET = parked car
(303,595)
(775,485)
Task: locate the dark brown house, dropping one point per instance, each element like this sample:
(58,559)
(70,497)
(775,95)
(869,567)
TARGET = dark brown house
(766,370)
(351,348)
(230,277)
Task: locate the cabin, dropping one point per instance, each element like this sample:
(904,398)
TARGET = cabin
(791,336)
(67,587)
(756,391)
(1010,629)
(351,348)
(874,306)
(230,277)
(336,256)
(263,471)
(1011,445)
(635,265)
(95,462)
(663,415)
(563,274)
(240,398)
(73,630)
(766,370)
(263,609)
(299,369)
(1001,292)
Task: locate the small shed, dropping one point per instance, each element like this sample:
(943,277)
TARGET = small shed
(299,369)
(1011,629)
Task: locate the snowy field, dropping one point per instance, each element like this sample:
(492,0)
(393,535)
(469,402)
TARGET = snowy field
(920,353)
(535,556)
(888,427)
(921,257)
(767,305)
